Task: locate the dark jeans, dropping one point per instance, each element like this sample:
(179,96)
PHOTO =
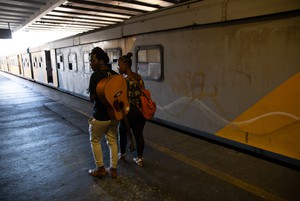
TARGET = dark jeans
(137,123)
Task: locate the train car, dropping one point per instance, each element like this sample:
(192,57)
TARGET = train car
(224,70)
(3,64)
(18,64)
(13,65)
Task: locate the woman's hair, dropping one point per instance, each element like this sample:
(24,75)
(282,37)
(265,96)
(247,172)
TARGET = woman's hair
(127,58)
(100,54)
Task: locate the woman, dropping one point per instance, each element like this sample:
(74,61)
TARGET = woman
(135,117)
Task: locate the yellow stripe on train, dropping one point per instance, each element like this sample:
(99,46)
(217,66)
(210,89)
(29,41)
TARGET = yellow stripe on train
(273,123)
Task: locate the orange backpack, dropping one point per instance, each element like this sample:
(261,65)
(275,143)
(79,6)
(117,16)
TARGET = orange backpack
(148,105)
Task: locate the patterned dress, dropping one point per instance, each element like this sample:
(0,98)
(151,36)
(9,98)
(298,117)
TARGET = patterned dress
(134,91)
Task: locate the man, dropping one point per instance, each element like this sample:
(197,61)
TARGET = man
(100,123)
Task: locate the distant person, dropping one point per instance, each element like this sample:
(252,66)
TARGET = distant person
(135,117)
(100,123)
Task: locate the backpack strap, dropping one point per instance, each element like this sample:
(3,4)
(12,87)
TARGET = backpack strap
(141,89)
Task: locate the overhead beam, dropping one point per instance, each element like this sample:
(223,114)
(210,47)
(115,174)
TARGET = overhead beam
(43,11)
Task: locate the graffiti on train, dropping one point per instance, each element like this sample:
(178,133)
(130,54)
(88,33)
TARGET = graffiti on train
(194,85)
(191,87)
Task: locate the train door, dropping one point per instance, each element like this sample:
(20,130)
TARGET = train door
(31,65)
(39,67)
(19,64)
(27,71)
(54,68)
(8,64)
(48,66)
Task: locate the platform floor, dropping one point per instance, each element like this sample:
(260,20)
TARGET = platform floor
(45,155)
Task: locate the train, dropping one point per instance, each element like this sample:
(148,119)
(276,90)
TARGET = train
(224,70)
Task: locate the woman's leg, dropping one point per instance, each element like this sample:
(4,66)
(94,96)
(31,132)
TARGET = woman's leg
(139,138)
(137,123)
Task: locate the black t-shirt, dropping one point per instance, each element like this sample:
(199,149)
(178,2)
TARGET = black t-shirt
(99,111)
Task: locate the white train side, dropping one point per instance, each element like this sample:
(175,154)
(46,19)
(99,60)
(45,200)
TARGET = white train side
(225,70)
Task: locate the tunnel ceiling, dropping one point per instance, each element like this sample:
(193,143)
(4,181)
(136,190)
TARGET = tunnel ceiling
(76,16)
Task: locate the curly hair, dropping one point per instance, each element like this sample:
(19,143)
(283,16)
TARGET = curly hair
(100,54)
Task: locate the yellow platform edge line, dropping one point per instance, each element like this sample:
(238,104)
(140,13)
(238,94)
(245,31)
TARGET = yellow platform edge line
(218,174)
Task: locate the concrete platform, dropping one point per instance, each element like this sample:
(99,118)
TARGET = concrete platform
(45,155)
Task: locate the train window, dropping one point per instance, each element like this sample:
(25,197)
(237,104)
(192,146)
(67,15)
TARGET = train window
(59,62)
(114,54)
(26,62)
(41,62)
(35,62)
(23,62)
(86,62)
(150,62)
(72,61)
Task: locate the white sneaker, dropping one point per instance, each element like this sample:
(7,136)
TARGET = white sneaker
(139,161)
